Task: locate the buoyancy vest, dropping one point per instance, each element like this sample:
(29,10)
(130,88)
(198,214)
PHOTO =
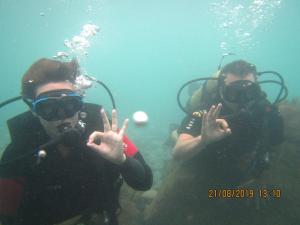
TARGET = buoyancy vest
(25,130)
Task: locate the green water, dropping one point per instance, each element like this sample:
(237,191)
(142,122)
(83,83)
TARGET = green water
(145,50)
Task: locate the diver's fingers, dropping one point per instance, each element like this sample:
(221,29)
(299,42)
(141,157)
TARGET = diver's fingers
(96,135)
(105,120)
(124,127)
(224,126)
(114,121)
(228,131)
(217,111)
(210,113)
(222,123)
(204,122)
(204,117)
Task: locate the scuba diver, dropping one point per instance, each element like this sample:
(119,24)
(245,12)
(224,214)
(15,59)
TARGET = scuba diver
(66,161)
(236,121)
(223,144)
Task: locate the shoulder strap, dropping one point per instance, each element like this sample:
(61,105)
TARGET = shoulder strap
(26,130)
(205,96)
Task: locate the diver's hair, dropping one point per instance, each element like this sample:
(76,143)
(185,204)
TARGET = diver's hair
(240,68)
(46,71)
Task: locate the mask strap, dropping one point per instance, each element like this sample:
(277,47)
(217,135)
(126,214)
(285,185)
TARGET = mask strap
(221,84)
(28,102)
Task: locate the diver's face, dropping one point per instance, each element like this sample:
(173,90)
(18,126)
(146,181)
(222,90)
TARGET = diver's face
(229,79)
(52,128)
(232,77)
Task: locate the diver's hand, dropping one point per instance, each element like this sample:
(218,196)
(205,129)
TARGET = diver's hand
(213,129)
(111,146)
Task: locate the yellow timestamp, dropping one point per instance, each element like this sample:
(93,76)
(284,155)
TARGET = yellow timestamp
(243,193)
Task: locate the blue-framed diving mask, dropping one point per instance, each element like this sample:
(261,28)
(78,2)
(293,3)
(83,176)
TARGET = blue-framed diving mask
(57,104)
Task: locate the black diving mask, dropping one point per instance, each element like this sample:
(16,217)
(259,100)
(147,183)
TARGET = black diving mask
(241,92)
(57,105)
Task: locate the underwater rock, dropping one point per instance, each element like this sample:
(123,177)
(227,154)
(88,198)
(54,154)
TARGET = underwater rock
(291,115)
(133,204)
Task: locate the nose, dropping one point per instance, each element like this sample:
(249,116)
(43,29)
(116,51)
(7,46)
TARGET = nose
(61,113)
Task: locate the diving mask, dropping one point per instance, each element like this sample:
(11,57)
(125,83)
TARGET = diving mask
(57,105)
(241,91)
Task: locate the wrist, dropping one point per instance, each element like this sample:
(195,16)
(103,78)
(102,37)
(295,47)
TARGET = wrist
(202,142)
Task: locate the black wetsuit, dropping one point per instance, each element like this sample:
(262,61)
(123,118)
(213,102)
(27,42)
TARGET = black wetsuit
(59,188)
(240,156)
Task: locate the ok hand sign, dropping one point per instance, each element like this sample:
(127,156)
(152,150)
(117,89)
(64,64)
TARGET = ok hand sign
(111,146)
(214,129)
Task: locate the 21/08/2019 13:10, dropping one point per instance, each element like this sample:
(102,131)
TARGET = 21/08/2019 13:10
(244,193)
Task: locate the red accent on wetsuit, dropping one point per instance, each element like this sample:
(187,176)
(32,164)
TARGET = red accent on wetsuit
(129,148)
(10,195)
